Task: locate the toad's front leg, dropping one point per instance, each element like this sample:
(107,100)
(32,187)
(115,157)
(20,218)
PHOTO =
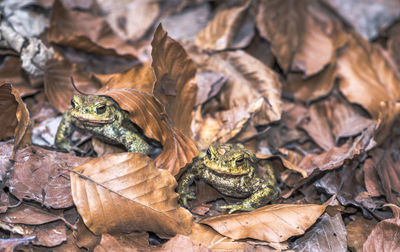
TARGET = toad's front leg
(63,139)
(263,194)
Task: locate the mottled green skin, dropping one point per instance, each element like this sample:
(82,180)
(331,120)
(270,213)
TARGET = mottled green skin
(103,117)
(231,169)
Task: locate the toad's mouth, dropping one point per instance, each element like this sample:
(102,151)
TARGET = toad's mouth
(93,122)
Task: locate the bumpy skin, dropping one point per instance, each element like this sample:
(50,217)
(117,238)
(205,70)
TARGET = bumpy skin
(103,117)
(231,170)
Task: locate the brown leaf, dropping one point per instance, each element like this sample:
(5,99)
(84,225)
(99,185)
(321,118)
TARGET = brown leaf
(273,223)
(231,28)
(11,72)
(182,243)
(146,112)
(9,245)
(30,215)
(287,164)
(393,43)
(14,117)
(175,72)
(329,234)
(358,231)
(84,31)
(367,76)
(371,179)
(140,77)
(42,176)
(125,192)
(126,242)
(84,238)
(304,35)
(252,93)
(58,86)
(386,234)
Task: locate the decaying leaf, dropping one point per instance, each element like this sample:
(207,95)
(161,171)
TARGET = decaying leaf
(333,238)
(230,29)
(125,242)
(9,245)
(272,223)
(386,234)
(42,175)
(358,231)
(14,117)
(125,192)
(304,35)
(58,86)
(175,72)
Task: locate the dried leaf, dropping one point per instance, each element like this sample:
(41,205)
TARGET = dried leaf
(140,77)
(84,31)
(367,76)
(30,215)
(304,35)
(175,72)
(146,112)
(272,223)
(231,28)
(393,43)
(14,117)
(125,192)
(9,245)
(58,86)
(42,176)
(84,238)
(287,164)
(386,234)
(125,242)
(182,243)
(329,234)
(358,231)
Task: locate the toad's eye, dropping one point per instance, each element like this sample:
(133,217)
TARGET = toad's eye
(73,104)
(240,162)
(209,153)
(100,109)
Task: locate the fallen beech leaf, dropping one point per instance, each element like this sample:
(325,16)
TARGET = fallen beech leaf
(11,72)
(386,234)
(209,85)
(125,192)
(140,77)
(84,31)
(42,175)
(393,43)
(367,76)
(146,112)
(333,238)
(252,93)
(231,28)
(175,72)
(304,35)
(30,215)
(84,238)
(126,242)
(272,223)
(371,179)
(287,164)
(181,243)
(14,117)
(358,231)
(58,86)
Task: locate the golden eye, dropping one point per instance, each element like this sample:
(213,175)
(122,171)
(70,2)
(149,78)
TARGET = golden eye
(73,104)
(100,109)
(209,154)
(240,162)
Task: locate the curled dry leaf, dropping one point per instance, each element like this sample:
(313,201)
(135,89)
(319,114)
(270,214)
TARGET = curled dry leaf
(58,86)
(42,176)
(182,243)
(84,31)
(175,72)
(230,28)
(304,35)
(333,238)
(14,117)
(146,112)
(125,242)
(28,214)
(287,164)
(386,234)
(125,192)
(272,223)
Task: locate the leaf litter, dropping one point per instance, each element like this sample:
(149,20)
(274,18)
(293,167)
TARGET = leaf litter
(300,83)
